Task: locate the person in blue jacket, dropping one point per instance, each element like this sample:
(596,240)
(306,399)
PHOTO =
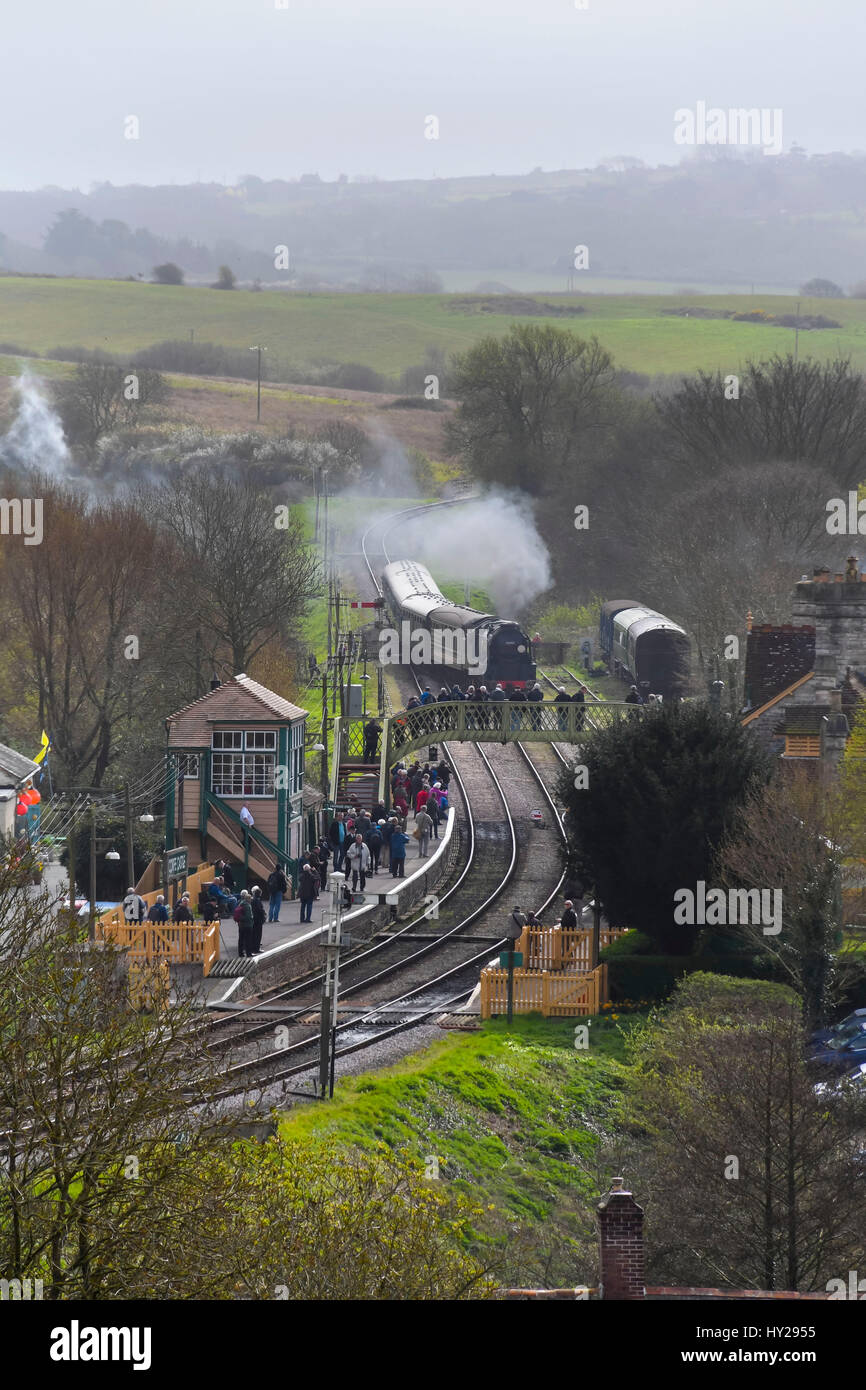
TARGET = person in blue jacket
(159,911)
(398,843)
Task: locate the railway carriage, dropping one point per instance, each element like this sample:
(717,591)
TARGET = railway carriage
(478,646)
(645,647)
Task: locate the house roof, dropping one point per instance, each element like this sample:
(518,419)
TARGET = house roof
(14,767)
(232,702)
(776,657)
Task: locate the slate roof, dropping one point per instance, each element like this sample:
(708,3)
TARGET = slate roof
(14,767)
(231,703)
(776,657)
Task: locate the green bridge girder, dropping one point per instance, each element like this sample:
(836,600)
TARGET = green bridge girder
(503,721)
(465,721)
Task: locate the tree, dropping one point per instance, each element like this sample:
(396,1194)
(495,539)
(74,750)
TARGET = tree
(794,834)
(794,412)
(226,278)
(76,599)
(822,289)
(245,577)
(753,1178)
(526,404)
(168,274)
(101,396)
(123,1177)
(662,788)
(730,543)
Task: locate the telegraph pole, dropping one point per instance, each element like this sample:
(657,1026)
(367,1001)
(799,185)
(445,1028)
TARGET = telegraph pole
(258,349)
(130,841)
(91,920)
(330,988)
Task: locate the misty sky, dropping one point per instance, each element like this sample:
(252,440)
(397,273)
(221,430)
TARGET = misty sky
(229,87)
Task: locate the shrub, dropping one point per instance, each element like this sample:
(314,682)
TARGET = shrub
(168,274)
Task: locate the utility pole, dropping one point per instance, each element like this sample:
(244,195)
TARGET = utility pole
(596,927)
(258,349)
(130,841)
(72,850)
(91,920)
(330,988)
(797,333)
(325,771)
(514,931)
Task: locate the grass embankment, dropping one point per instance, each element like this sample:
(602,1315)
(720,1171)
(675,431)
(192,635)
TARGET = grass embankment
(390,331)
(514,1117)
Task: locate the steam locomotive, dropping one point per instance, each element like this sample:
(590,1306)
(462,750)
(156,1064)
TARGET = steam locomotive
(645,647)
(433,631)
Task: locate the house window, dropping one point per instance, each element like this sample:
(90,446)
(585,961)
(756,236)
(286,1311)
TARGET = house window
(243,774)
(188,765)
(261,740)
(297,758)
(226,739)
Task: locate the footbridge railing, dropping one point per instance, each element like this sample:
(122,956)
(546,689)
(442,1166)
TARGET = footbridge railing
(503,721)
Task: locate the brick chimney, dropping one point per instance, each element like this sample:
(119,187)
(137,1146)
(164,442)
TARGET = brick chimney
(620,1244)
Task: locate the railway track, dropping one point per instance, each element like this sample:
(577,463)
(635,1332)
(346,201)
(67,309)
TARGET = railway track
(461,940)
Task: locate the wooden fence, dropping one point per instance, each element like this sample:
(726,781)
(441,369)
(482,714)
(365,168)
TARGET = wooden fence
(181,943)
(554,994)
(555,948)
(176,943)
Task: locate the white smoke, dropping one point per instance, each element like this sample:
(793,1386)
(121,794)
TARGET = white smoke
(491,542)
(35,437)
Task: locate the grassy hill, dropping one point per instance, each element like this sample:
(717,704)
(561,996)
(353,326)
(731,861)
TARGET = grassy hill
(390,332)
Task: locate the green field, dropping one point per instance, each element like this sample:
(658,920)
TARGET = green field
(391,331)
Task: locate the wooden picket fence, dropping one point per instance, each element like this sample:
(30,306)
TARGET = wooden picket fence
(554,994)
(176,943)
(555,948)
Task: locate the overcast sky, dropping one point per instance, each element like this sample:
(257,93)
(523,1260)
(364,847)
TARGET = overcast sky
(229,87)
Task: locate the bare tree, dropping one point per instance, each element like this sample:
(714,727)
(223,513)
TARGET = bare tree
(77,598)
(102,395)
(752,1176)
(246,571)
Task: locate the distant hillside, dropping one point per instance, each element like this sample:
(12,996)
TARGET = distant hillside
(727,221)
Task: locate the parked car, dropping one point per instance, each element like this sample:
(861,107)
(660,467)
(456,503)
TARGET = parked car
(823,1034)
(844,1050)
(854,1079)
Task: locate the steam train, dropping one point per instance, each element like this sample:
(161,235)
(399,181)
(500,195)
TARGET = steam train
(644,647)
(477,646)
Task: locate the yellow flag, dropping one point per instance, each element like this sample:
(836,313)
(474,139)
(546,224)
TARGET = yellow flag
(46,744)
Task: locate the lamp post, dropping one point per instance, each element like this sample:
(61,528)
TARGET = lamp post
(259,349)
(514,931)
(330,987)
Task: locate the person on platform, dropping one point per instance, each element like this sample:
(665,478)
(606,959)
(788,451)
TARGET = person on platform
(183,911)
(337,836)
(372,732)
(159,911)
(278,884)
(224,899)
(228,877)
(423,825)
(308,891)
(374,845)
(399,841)
(134,906)
(568,921)
(634,697)
(324,856)
(257,907)
(358,862)
(210,911)
(243,915)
